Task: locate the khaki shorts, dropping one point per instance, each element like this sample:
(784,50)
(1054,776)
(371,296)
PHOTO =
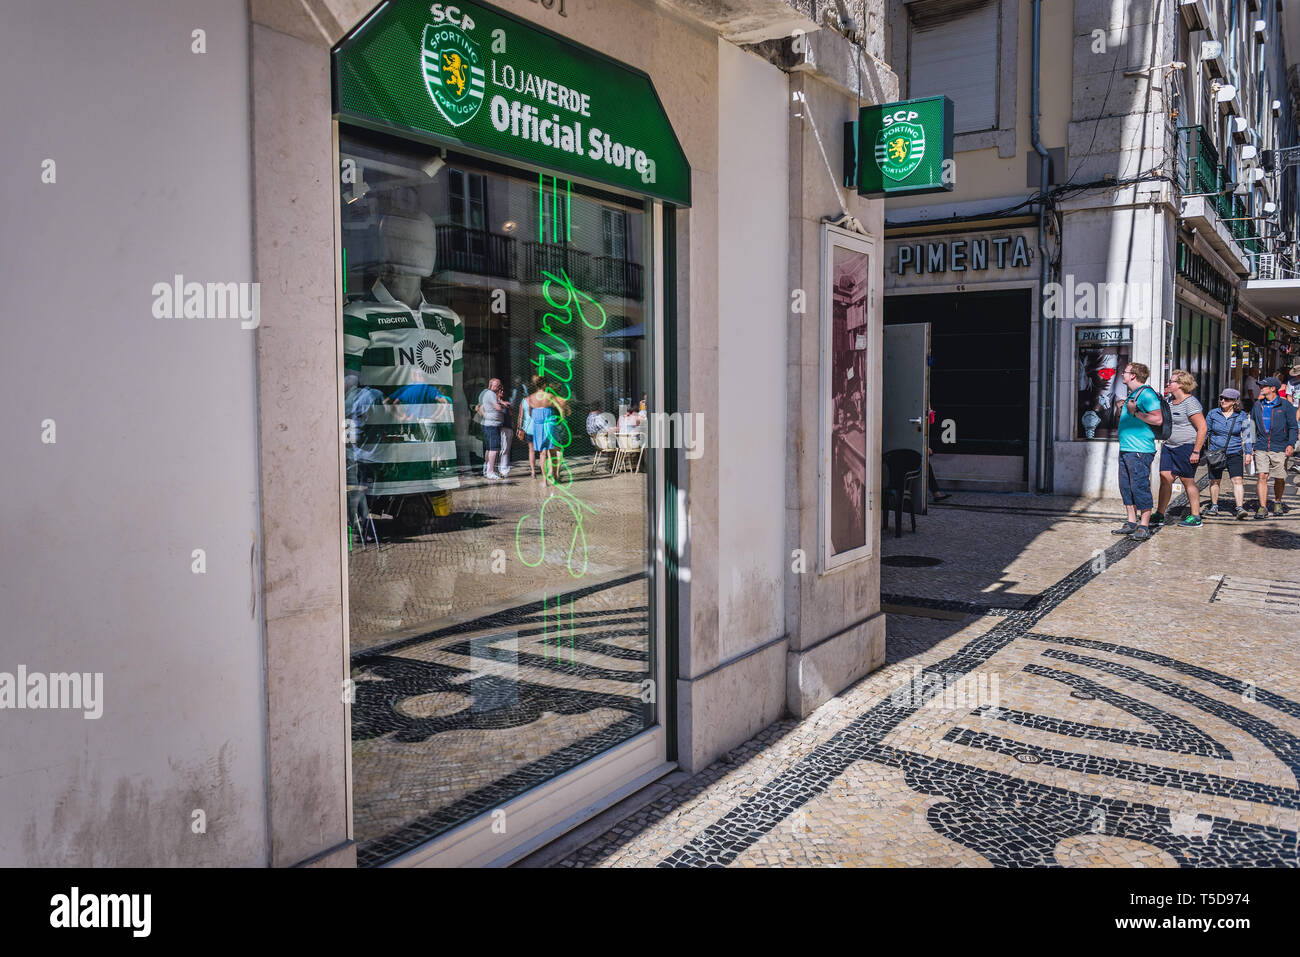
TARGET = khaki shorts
(1274,463)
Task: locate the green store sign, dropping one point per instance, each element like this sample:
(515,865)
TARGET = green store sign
(467,75)
(899,149)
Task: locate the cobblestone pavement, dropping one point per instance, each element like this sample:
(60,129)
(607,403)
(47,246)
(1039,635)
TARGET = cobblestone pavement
(1084,701)
(473,684)
(480,557)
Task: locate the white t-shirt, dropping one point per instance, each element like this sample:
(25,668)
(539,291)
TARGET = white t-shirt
(493,410)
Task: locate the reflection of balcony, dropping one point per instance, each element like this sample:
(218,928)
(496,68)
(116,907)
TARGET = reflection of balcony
(594,275)
(539,258)
(461,249)
(617,277)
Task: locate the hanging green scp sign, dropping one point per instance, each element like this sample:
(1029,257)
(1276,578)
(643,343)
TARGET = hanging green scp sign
(897,149)
(468,75)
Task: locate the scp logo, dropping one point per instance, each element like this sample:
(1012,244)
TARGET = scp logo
(900,116)
(448,14)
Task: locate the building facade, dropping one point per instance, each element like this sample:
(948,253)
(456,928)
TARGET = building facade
(366,649)
(1157,139)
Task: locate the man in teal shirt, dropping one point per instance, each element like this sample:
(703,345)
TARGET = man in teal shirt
(1137,450)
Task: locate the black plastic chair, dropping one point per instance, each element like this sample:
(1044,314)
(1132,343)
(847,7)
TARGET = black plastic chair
(902,470)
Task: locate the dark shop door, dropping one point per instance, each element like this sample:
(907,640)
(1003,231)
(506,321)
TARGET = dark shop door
(979,382)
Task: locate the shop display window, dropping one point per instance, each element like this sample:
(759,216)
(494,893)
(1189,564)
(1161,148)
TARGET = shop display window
(497,379)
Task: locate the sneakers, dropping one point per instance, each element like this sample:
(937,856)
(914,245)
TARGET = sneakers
(1241,514)
(1157,519)
(492,476)
(1125,529)
(1277,509)
(1213,509)
(1261,514)
(504,470)
(1191,521)
(1140,534)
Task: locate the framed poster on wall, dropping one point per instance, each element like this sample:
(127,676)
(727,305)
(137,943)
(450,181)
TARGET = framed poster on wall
(848,329)
(1100,355)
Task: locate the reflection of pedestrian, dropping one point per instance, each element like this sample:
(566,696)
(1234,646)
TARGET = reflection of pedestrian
(525,430)
(548,411)
(599,422)
(360,456)
(492,409)
(503,467)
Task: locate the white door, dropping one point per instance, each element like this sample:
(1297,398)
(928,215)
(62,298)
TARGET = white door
(905,402)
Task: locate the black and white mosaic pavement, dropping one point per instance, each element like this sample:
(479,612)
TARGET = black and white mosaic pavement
(467,717)
(1010,819)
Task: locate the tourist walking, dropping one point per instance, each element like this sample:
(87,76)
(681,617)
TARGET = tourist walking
(1137,449)
(503,459)
(1227,448)
(524,431)
(493,411)
(548,414)
(1181,453)
(1275,439)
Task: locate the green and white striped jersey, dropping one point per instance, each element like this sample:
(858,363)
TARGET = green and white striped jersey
(412,357)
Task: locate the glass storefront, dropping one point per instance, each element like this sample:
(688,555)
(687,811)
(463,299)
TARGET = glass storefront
(1198,349)
(498,361)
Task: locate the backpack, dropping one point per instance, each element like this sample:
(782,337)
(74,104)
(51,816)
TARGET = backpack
(1166,426)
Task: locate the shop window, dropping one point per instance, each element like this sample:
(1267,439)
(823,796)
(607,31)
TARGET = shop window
(1197,350)
(465,235)
(499,578)
(614,228)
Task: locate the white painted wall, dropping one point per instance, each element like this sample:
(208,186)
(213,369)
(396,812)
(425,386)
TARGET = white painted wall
(750,434)
(155,452)
(1112,246)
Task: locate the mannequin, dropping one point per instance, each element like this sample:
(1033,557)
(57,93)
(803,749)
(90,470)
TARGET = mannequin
(410,352)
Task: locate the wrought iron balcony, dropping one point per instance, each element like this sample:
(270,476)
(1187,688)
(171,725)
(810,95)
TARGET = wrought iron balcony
(462,249)
(595,275)
(1198,161)
(617,277)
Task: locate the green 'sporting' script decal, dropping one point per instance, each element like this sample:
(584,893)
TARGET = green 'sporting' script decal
(554,363)
(472,76)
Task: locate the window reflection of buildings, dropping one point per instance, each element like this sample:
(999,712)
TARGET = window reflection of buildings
(497,232)
(469,243)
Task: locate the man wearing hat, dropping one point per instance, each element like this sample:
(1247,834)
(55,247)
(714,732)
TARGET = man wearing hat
(1276,432)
